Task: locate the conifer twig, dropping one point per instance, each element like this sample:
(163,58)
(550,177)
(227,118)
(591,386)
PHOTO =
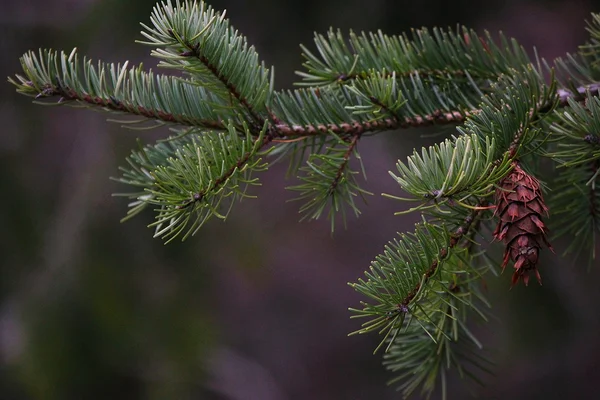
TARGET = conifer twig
(455,238)
(359,127)
(193,52)
(114,104)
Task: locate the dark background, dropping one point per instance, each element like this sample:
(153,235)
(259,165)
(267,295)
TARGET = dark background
(254,308)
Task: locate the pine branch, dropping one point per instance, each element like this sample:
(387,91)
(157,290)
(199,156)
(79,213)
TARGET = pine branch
(328,182)
(462,172)
(358,128)
(346,158)
(374,104)
(359,109)
(142,164)
(454,240)
(408,266)
(418,359)
(437,117)
(514,112)
(194,38)
(198,179)
(117,88)
(421,288)
(472,164)
(453,171)
(441,55)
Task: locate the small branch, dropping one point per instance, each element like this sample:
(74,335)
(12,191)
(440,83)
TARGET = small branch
(539,109)
(427,73)
(193,51)
(564,94)
(280,129)
(358,127)
(347,154)
(283,130)
(460,232)
(223,178)
(114,104)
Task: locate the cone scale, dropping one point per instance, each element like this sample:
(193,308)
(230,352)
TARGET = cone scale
(519,208)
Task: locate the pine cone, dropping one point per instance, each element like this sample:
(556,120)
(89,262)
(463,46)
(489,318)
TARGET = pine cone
(519,205)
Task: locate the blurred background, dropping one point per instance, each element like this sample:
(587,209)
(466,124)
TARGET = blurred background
(254,308)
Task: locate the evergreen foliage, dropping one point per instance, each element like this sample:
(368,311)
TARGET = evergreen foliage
(227,117)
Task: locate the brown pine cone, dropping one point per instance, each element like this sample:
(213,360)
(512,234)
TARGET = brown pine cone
(520,205)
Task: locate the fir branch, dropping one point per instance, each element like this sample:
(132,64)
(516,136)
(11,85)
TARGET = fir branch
(357,109)
(442,55)
(141,164)
(428,334)
(374,104)
(513,112)
(455,238)
(438,117)
(225,176)
(120,89)
(200,179)
(196,39)
(258,120)
(421,287)
(394,274)
(328,182)
(403,274)
(452,171)
(423,354)
(360,127)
